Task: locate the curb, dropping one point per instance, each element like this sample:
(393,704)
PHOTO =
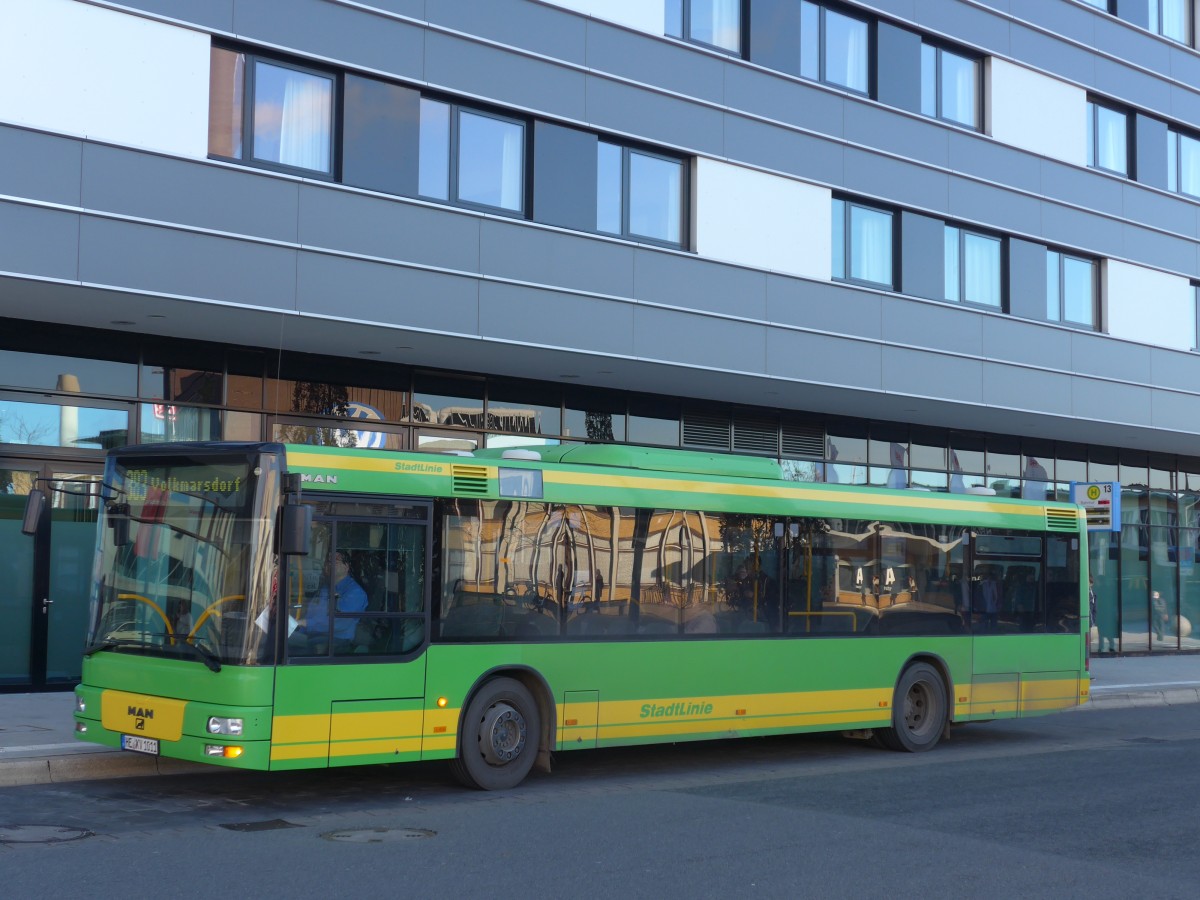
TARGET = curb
(91,767)
(1117,699)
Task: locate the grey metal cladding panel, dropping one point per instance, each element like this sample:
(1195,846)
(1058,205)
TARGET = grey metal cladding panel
(389,295)
(972,24)
(1000,208)
(1076,229)
(1185,102)
(678,337)
(39,166)
(691,283)
(672,67)
(1185,67)
(1132,86)
(389,229)
(922,257)
(933,326)
(1027,343)
(215,14)
(1115,37)
(41,242)
(564,176)
(896,181)
(822,305)
(824,360)
(1027,280)
(1048,52)
(341,32)
(916,138)
(898,66)
(223,198)
(1172,411)
(654,117)
(1027,388)
(1106,401)
(807,156)
(503,76)
(1067,19)
(1150,248)
(380,135)
(151,258)
(541,256)
(527,315)
(920,374)
(532,26)
(1134,11)
(792,101)
(1084,187)
(1105,357)
(975,154)
(1150,152)
(1177,370)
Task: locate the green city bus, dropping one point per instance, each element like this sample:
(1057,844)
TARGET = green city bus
(268,606)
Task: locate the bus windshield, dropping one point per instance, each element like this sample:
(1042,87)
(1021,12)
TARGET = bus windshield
(184,563)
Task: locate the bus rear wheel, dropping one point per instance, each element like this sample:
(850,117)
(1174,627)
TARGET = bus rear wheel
(498,741)
(918,711)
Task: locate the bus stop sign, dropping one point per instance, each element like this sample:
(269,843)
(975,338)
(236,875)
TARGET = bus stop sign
(1101,501)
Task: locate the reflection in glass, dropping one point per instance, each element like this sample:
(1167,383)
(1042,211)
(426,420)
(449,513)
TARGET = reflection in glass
(448,401)
(594,415)
(524,408)
(67,373)
(655,197)
(293,117)
(171,422)
(51,425)
(16,618)
(434,154)
(226,95)
(491,161)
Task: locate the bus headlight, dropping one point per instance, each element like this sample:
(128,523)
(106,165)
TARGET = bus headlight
(223,725)
(80,704)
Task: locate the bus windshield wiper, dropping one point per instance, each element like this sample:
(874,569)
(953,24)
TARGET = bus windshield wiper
(205,655)
(109,644)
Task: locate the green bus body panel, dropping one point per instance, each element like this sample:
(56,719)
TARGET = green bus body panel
(603,693)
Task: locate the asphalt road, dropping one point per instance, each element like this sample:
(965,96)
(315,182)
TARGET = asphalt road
(1089,804)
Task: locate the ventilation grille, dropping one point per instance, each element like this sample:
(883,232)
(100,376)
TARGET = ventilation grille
(469,480)
(708,431)
(1062,520)
(756,436)
(803,440)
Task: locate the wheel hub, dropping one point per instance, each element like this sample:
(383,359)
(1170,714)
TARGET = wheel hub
(502,737)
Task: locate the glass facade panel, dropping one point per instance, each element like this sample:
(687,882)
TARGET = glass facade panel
(16,612)
(52,425)
(186,384)
(1110,131)
(981,269)
(846,51)
(951,255)
(929,92)
(524,408)
(169,422)
(433,166)
(594,415)
(839,239)
(958,88)
(1187,180)
(491,161)
(609,183)
(70,374)
(654,422)
(1053,286)
(1078,290)
(293,117)
(716,22)
(810,40)
(1135,575)
(448,401)
(1171,18)
(655,197)
(870,245)
(226,96)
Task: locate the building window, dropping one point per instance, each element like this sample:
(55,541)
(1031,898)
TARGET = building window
(470,157)
(949,86)
(717,23)
(1172,19)
(639,195)
(972,267)
(862,244)
(1070,289)
(834,47)
(1183,163)
(1099,4)
(1108,138)
(1196,316)
(270,113)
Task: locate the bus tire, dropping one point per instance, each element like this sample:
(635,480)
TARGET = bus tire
(498,740)
(918,711)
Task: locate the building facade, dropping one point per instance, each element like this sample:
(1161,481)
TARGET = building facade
(949,245)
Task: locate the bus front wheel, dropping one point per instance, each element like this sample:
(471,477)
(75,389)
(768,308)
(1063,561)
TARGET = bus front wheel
(498,742)
(918,711)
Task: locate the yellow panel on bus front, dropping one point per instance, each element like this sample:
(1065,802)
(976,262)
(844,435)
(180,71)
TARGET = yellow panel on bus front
(142,715)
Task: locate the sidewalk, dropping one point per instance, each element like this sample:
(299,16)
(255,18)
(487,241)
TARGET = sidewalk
(38,746)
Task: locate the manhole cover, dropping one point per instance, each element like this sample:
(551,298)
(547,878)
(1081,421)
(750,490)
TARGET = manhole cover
(268,825)
(377,835)
(40,834)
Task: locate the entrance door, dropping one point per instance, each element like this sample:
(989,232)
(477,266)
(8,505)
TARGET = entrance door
(45,579)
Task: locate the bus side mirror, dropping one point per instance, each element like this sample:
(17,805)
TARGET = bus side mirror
(118,521)
(295,530)
(35,504)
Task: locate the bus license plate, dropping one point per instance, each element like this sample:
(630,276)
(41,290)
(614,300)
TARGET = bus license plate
(139,744)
